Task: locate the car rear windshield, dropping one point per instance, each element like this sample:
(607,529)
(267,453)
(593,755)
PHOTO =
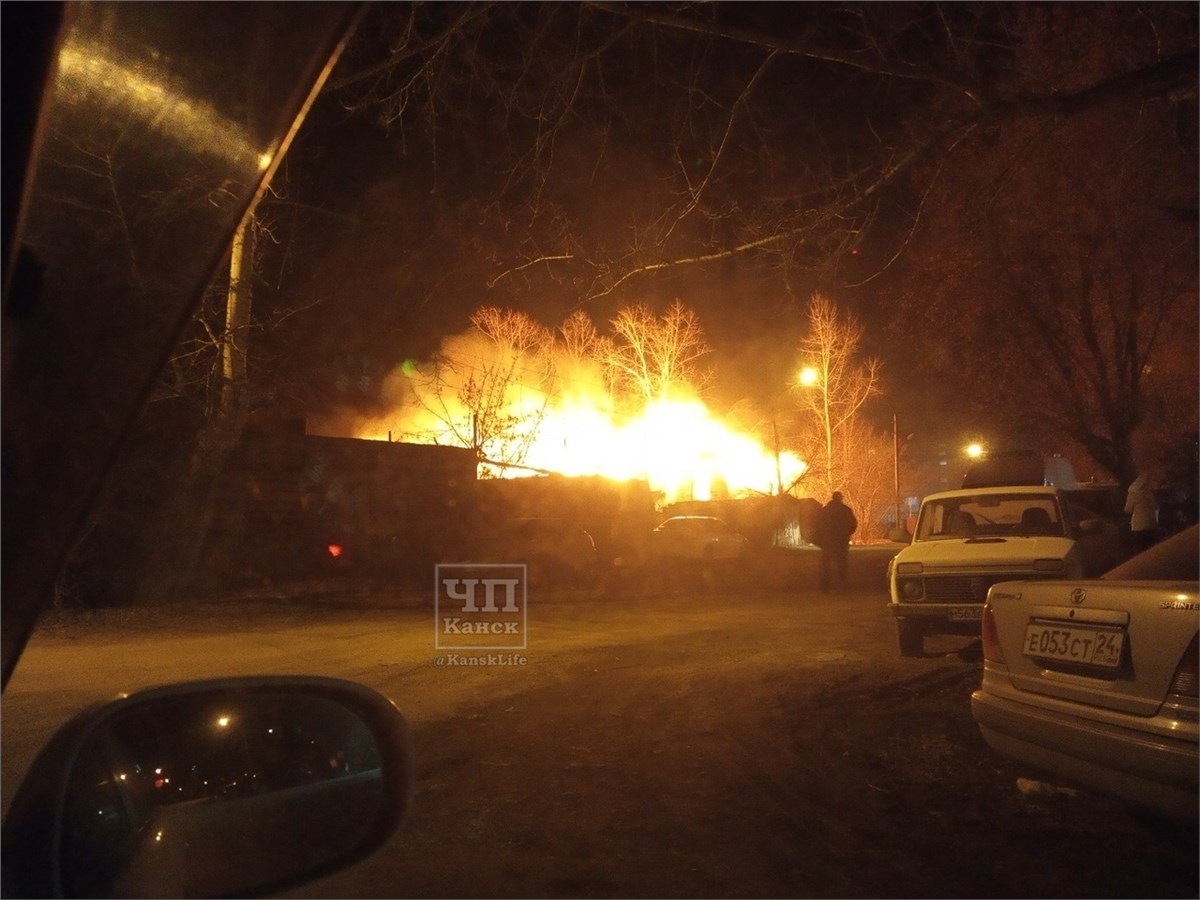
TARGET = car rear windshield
(990,515)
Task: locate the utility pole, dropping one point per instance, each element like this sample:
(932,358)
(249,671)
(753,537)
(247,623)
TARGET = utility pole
(778,467)
(896,468)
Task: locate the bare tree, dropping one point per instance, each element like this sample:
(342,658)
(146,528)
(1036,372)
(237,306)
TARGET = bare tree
(620,156)
(492,388)
(578,338)
(1070,320)
(512,330)
(478,403)
(488,390)
(654,355)
(578,360)
(834,385)
(865,461)
(723,139)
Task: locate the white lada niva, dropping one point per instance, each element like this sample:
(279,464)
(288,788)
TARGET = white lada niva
(967,540)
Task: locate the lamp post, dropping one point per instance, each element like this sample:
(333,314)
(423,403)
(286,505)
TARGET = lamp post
(807,377)
(896,468)
(778,465)
(813,377)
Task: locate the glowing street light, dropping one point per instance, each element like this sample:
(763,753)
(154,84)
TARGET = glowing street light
(974,451)
(809,376)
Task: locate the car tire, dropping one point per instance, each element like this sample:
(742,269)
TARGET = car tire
(912,638)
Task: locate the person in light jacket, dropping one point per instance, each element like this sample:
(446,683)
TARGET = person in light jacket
(1142,510)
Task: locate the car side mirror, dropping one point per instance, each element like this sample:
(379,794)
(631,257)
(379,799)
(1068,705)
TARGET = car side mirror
(235,787)
(1092,526)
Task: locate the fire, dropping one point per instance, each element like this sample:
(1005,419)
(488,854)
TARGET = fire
(677,445)
(532,412)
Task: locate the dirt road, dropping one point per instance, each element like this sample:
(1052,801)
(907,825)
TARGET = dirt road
(737,742)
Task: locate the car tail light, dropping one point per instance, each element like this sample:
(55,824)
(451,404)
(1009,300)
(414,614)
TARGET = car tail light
(992,650)
(1186,682)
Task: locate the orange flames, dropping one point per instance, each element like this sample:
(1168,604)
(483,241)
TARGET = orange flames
(675,445)
(528,416)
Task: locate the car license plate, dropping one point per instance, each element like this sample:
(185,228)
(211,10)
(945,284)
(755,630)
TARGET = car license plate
(1088,646)
(966,613)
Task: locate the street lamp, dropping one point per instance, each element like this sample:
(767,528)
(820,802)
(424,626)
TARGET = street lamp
(974,451)
(806,377)
(818,378)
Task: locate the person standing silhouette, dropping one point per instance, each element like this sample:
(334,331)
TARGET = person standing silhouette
(835,524)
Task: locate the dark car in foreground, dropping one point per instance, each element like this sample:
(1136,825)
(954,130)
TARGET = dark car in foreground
(1096,680)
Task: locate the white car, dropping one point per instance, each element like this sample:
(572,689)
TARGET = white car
(967,540)
(1096,681)
(703,538)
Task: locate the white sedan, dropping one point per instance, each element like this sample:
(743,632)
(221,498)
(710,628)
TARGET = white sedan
(1096,680)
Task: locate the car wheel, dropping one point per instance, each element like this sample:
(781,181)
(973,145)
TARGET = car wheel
(912,638)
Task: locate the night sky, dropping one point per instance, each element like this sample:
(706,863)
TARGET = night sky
(575,130)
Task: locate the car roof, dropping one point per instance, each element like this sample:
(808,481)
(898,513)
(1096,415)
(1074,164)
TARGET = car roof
(1007,490)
